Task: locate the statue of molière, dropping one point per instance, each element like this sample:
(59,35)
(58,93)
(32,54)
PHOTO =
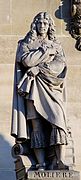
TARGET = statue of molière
(38,118)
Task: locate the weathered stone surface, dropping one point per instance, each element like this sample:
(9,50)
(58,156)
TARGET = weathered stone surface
(73,57)
(6,141)
(73,76)
(25,6)
(56,175)
(5,17)
(74,83)
(8,46)
(6,91)
(5,29)
(74,119)
(73,109)
(74,94)
(4,11)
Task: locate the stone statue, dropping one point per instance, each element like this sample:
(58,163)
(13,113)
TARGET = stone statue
(38,118)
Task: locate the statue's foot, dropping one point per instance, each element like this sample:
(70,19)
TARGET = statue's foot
(42,167)
(52,165)
(32,168)
(61,166)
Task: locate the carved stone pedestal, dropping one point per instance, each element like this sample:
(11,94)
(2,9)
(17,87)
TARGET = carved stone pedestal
(23,163)
(22,172)
(48,175)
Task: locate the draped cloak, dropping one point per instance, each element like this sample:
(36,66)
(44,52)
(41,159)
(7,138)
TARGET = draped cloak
(46,89)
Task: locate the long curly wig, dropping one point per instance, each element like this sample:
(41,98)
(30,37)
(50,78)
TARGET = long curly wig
(32,34)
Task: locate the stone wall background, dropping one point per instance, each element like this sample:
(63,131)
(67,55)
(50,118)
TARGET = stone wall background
(15,19)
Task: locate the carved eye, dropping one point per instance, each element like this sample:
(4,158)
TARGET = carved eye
(45,23)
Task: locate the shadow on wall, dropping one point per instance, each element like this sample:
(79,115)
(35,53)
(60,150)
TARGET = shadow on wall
(64,12)
(6,160)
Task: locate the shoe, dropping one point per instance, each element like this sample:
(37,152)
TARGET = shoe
(62,166)
(42,167)
(32,168)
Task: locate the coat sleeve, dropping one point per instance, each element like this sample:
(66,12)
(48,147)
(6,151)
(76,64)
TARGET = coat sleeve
(56,66)
(30,57)
(54,71)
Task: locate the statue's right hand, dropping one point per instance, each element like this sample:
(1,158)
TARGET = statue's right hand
(52,51)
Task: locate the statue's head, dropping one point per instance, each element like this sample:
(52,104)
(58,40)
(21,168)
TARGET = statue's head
(42,24)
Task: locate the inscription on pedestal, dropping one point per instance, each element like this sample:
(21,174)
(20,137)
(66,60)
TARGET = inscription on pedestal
(53,174)
(56,175)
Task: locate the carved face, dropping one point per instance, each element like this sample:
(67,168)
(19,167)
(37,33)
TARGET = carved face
(42,26)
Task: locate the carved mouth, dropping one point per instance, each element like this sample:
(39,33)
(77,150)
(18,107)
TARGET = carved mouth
(42,29)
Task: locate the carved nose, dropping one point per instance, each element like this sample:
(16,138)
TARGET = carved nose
(42,24)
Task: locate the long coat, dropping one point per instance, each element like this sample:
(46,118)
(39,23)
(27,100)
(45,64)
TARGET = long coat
(46,88)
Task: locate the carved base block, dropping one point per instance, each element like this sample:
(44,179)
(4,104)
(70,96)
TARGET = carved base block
(48,175)
(23,172)
(54,175)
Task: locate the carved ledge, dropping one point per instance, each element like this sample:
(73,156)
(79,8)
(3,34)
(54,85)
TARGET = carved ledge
(75,26)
